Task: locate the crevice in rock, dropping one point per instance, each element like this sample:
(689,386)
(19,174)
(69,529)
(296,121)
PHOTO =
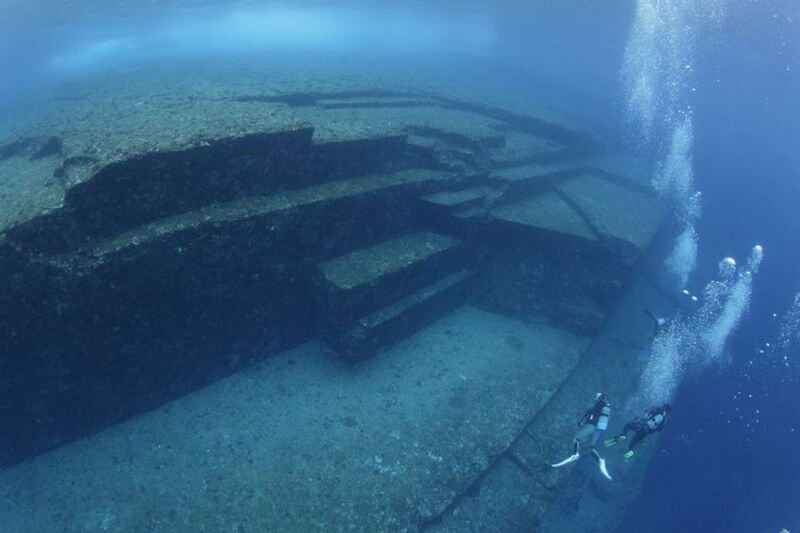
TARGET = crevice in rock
(312,98)
(523,123)
(456,139)
(134,192)
(581,213)
(471,491)
(511,456)
(292,100)
(376,105)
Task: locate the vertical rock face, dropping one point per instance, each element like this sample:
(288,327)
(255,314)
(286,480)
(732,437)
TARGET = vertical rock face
(135,272)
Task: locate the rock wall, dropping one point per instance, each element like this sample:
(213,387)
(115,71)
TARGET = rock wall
(139,252)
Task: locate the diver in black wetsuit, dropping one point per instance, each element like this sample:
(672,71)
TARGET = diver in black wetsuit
(652,422)
(593,422)
(590,427)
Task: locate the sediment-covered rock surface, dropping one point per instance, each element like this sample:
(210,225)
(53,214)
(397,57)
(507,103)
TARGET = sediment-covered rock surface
(152,243)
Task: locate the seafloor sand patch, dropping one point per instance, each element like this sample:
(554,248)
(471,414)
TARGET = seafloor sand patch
(304,443)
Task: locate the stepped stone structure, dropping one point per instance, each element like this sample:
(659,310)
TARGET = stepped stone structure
(349,309)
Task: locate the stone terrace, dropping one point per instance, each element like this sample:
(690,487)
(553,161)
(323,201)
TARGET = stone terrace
(152,243)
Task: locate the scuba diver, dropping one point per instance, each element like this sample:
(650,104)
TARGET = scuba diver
(593,423)
(652,422)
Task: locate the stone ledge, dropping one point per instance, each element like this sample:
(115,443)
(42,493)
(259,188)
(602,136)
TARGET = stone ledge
(546,212)
(253,208)
(384,327)
(614,211)
(303,443)
(367,266)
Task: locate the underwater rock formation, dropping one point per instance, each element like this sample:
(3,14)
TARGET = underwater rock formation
(168,243)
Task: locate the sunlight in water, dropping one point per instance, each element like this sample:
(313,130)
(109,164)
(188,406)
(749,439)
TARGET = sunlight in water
(274,29)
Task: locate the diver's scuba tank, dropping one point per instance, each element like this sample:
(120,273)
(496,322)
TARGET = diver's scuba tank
(654,422)
(604,413)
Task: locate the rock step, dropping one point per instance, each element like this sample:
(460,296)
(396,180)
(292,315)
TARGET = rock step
(534,171)
(579,202)
(403,318)
(459,212)
(534,177)
(472,137)
(545,212)
(241,270)
(628,170)
(451,127)
(127,193)
(366,267)
(459,199)
(279,217)
(366,279)
(332,159)
(522,147)
(618,213)
(471,213)
(103,200)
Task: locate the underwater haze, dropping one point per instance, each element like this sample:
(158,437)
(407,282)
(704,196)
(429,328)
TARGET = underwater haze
(362,266)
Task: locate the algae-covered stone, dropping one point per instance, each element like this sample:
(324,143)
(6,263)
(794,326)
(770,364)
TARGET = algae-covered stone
(522,492)
(153,223)
(521,148)
(363,267)
(502,504)
(385,326)
(302,443)
(547,212)
(460,198)
(535,171)
(615,211)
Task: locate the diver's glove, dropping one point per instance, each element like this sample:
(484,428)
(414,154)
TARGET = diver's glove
(628,455)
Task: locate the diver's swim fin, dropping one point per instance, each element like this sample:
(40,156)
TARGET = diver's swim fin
(571,459)
(601,464)
(603,468)
(628,455)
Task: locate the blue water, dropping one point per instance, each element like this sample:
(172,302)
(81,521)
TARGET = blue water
(729,460)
